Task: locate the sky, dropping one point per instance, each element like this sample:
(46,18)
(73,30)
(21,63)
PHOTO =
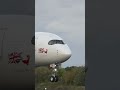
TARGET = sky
(66,18)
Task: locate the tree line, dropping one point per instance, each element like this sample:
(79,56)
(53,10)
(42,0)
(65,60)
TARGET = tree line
(67,76)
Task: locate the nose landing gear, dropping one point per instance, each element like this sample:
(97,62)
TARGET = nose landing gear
(54,76)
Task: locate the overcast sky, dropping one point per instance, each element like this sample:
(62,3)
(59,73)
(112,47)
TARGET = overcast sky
(66,18)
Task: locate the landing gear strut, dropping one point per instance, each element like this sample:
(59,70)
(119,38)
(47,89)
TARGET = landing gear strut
(54,76)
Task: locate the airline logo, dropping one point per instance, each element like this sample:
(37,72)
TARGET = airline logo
(16,57)
(43,50)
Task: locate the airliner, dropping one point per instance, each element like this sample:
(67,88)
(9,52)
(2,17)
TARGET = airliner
(51,50)
(17,55)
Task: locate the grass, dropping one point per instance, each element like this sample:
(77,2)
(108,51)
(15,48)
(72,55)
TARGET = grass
(54,86)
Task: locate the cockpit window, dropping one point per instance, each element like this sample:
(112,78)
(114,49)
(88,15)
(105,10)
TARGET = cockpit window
(33,40)
(52,42)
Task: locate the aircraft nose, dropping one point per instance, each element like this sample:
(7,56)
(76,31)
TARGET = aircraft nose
(67,53)
(64,53)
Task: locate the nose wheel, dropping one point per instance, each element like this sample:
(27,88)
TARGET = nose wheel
(54,77)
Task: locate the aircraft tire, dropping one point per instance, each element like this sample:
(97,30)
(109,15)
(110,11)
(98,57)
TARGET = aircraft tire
(56,78)
(52,79)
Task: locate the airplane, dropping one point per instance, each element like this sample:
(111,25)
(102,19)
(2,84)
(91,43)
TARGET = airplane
(16,54)
(50,50)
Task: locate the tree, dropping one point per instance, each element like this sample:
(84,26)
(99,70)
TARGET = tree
(80,77)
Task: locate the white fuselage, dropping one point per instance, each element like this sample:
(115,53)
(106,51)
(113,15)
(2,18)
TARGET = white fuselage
(50,49)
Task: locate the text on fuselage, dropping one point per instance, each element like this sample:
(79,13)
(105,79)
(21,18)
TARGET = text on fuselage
(43,50)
